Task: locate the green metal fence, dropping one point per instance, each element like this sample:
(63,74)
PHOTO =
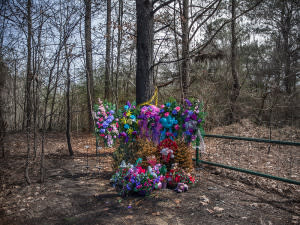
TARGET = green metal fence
(199,161)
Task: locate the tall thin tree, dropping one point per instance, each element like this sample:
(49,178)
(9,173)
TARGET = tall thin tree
(28,88)
(107,54)
(89,60)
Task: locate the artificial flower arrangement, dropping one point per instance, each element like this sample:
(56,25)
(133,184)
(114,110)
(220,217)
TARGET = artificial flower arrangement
(106,122)
(162,126)
(133,179)
(130,179)
(128,129)
(169,120)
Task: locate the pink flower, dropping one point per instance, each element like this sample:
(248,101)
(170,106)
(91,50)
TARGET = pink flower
(177,108)
(162,106)
(117,125)
(167,114)
(100,119)
(176,127)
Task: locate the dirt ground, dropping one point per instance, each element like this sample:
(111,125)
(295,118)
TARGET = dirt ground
(75,194)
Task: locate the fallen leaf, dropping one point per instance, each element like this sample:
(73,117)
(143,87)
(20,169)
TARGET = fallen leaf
(129,217)
(218,209)
(209,210)
(205,199)
(177,201)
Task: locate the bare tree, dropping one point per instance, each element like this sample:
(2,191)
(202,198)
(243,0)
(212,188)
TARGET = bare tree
(107,54)
(68,116)
(235,85)
(3,124)
(29,79)
(89,61)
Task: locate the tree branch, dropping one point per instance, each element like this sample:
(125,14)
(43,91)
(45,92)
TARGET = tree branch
(162,5)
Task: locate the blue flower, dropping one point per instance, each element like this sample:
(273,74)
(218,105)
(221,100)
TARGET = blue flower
(105,124)
(112,112)
(126,107)
(102,131)
(168,104)
(162,111)
(132,117)
(174,112)
(188,133)
(126,126)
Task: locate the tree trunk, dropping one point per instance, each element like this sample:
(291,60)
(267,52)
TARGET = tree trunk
(286,30)
(235,85)
(89,62)
(144,70)
(54,94)
(3,124)
(28,87)
(120,37)
(107,56)
(185,65)
(68,104)
(15,95)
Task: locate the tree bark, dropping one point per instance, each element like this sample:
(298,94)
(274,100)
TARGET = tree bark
(120,37)
(235,85)
(185,65)
(107,56)
(68,104)
(3,124)
(144,48)
(89,61)
(28,91)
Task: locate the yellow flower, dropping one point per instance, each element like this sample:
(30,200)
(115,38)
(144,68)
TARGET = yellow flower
(129,121)
(128,113)
(123,120)
(130,130)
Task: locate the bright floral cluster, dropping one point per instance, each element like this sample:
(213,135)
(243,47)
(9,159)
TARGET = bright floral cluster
(178,175)
(170,120)
(106,123)
(128,122)
(130,179)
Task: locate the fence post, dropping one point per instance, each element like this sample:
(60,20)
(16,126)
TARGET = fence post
(197,149)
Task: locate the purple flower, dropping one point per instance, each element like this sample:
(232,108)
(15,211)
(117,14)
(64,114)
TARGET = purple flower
(199,121)
(187,119)
(174,112)
(188,102)
(194,117)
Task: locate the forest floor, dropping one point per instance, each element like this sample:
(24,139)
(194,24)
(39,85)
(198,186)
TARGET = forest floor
(73,194)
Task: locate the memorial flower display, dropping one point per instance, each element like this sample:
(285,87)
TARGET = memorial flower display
(163,127)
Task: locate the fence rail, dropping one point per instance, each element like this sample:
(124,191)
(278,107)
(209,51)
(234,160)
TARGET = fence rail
(242,170)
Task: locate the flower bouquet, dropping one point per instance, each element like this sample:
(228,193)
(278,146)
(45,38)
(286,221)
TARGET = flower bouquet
(129,127)
(106,123)
(130,179)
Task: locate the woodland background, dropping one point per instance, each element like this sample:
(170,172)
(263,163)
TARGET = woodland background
(240,57)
